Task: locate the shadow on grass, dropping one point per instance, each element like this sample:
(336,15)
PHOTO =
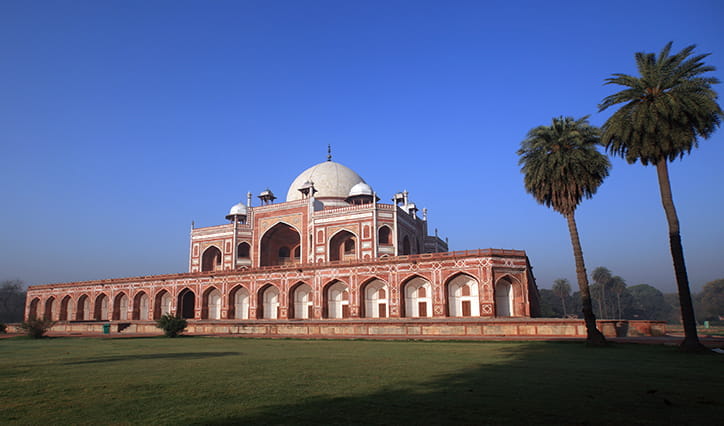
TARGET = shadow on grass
(170,356)
(555,383)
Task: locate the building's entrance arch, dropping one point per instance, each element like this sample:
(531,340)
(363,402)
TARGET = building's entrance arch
(376,303)
(504,298)
(280,245)
(33,308)
(211,259)
(239,303)
(301,304)
(66,309)
(100,308)
(186,304)
(140,306)
(336,300)
(50,309)
(405,245)
(120,307)
(83,311)
(211,304)
(161,304)
(462,296)
(268,302)
(343,246)
(418,298)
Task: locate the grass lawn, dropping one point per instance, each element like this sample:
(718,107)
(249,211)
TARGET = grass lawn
(206,380)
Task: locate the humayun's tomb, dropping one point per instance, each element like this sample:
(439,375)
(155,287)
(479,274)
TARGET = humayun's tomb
(329,261)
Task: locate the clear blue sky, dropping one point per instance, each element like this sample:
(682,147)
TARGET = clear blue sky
(123,121)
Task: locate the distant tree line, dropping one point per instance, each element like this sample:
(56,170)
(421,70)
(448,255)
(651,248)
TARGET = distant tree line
(612,298)
(12,301)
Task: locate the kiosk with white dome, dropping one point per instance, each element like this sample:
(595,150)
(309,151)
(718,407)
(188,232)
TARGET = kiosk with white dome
(330,260)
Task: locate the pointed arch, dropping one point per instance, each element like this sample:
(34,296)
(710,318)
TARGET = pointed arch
(416,297)
(384,235)
(33,308)
(375,299)
(211,259)
(140,306)
(301,301)
(66,309)
(280,245)
(186,304)
(100,308)
(161,304)
(120,307)
(50,312)
(83,311)
(336,300)
(239,303)
(268,302)
(343,246)
(211,304)
(504,296)
(462,292)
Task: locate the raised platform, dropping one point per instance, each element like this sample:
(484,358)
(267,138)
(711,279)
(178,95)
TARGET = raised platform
(409,328)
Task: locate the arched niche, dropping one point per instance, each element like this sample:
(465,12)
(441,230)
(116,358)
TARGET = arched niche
(280,245)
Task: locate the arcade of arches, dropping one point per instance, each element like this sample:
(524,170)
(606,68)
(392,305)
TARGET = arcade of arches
(414,297)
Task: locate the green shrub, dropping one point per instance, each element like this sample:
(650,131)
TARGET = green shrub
(36,327)
(171,325)
(3,328)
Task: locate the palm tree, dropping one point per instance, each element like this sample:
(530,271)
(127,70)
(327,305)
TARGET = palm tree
(602,277)
(618,285)
(562,289)
(562,166)
(665,111)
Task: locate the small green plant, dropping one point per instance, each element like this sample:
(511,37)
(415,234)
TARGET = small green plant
(171,325)
(3,328)
(36,327)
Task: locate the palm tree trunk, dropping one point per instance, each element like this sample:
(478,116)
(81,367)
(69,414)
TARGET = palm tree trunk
(594,336)
(691,339)
(563,302)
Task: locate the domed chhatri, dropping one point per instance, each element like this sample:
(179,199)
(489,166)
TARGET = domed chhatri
(237,210)
(332,181)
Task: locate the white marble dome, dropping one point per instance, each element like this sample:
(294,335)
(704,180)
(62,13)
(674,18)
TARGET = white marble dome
(237,210)
(361,188)
(331,180)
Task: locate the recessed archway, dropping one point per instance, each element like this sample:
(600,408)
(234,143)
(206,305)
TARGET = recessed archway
(120,307)
(301,300)
(336,300)
(268,302)
(186,304)
(504,298)
(50,309)
(161,304)
(211,259)
(462,296)
(280,245)
(417,298)
(83,311)
(140,306)
(211,304)
(100,308)
(239,303)
(33,308)
(66,309)
(375,295)
(343,246)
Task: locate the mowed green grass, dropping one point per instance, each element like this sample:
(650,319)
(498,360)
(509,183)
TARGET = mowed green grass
(206,380)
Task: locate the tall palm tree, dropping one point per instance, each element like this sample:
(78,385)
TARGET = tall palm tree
(562,289)
(618,285)
(561,166)
(602,277)
(665,110)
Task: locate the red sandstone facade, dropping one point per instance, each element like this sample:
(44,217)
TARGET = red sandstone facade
(331,251)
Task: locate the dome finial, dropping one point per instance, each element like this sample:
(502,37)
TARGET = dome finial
(329,152)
